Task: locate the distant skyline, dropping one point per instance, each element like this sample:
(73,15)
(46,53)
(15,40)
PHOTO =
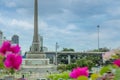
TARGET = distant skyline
(71,23)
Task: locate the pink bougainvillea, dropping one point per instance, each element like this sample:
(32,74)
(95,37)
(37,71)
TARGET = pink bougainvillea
(79,71)
(13,61)
(117,62)
(15,48)
(8,47)
(5,47)
(12,58)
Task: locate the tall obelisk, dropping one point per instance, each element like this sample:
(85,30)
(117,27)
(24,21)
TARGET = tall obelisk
(35,49)
(36,42)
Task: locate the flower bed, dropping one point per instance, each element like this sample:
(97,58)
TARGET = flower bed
(108,72)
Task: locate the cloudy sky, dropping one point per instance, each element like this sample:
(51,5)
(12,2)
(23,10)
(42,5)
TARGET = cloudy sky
(71,23)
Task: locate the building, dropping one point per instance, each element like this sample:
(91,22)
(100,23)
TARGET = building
(1,37)
(15,39)
(45,49)
(41,43)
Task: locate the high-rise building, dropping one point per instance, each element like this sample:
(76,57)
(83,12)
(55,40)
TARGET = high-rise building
(1,37)
(41,43)
(45,49)
(15,39)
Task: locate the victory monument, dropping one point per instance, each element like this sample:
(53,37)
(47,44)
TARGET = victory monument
(36,60)
(36,50)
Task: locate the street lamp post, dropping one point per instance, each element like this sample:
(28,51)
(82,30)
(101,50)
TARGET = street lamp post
(98,38)
(56,47)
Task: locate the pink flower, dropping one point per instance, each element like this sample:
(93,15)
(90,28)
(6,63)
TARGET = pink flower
(5,47)
(15,48)
(117,62)
(13,61)
(77,72)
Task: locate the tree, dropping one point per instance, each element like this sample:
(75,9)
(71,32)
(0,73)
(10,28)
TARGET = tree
(85,62)
(68,49)
(105,49)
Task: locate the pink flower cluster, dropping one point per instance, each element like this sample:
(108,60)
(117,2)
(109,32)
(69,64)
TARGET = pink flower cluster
(11,53)
(79,71)
(117,62)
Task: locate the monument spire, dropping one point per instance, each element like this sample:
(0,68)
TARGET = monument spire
(36,50)
(36,42)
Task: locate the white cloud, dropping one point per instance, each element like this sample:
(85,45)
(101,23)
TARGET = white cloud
(63,17)
(21,23)
(71,27)
(1,21)
(115,11)
(112,23)
(43,24)
(22,11)
(15,23)
(10,4)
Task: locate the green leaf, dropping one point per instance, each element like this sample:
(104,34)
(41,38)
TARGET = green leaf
(65,75)
(51,76)
(94,76)
(117,74)
(1,62)
(82,78)
(105,69)
(12,71)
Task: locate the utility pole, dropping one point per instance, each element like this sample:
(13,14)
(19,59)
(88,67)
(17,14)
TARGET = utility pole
(98,38)
(56,47)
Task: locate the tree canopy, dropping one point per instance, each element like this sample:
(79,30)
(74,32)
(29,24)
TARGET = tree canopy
(105,49)
(68,49)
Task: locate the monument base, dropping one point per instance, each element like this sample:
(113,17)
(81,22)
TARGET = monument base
(37,65)
(35,55)
(35,62)
(40,69)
